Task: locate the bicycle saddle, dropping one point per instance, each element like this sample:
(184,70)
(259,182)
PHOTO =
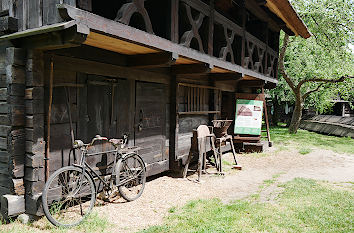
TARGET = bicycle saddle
(78,143)
(116,142)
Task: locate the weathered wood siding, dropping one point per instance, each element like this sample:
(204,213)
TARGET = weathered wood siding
(106,102)
(34,13)
(12,120)
(35,130)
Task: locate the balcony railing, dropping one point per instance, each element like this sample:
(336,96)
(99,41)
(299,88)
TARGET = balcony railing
(191,23)
(199,26)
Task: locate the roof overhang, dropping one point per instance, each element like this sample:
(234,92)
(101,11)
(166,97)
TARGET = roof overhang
(284,10)
(39,30)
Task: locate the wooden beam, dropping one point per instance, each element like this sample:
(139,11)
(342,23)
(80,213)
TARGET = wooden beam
(211,28)
(152,60)
(224,5)
(12,205)
(225,76)
(174,124)
(248,96)
(279,21)
(198,86)
(53,40)
(261,2)
(94,54)
(98,68)
(116,45)
(8,25)
(199,113)
(49,114)
(251,83)
(286,12)
(174,21)
(191,69)
(242,139)
(85,4)
(255,9)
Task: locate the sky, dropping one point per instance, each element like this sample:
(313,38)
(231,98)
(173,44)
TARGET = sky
(351,46)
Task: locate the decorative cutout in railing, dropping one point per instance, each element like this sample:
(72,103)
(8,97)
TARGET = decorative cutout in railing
(224,51)
(271,58)
(255,53)
(134,6)
(187,37)
(231,30)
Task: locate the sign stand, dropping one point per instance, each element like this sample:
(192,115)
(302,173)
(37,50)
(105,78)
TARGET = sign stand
(253,139)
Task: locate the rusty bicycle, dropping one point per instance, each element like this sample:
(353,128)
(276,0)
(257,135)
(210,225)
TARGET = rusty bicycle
(70,192)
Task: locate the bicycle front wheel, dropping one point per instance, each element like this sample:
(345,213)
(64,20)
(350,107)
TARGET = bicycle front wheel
(68,196)
(131,177)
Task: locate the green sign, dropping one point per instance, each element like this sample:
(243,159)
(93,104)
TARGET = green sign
(248,117)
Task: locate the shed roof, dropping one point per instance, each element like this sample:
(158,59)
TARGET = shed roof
(284,10)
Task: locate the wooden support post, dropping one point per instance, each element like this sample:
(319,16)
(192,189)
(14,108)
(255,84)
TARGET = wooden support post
(132,90)
(112,104)
(174,21)
(243,48)
(174,123)
(68,103)
(47,154)
(265,68)
(266,118)
(211,28)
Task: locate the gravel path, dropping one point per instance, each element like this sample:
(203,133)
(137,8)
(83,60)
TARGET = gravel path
(164,192)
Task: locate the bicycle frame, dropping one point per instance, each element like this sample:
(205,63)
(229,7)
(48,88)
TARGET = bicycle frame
(79,183)
(92,173)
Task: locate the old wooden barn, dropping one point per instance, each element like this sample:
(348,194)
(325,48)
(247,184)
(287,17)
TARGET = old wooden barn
(154,69)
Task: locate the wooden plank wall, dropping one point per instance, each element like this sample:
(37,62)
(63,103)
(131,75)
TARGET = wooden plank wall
(186,126)
(86,98)
(34,13)
(151,116)
(35,137)
(12,109)
(188,123)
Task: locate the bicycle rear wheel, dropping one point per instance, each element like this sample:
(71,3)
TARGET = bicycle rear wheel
(131,176)
(68,196)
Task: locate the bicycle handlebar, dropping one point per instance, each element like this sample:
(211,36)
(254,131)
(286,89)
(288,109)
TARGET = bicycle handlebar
(98,138)
(115,142)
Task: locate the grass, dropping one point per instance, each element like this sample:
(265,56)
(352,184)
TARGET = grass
(304,206)
(305,150)
(266,184)
(306,141)
(93,223)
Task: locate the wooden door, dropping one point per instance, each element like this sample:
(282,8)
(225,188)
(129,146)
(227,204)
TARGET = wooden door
(150,121)
(98,114)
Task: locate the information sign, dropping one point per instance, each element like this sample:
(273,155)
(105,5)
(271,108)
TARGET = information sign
(248,118)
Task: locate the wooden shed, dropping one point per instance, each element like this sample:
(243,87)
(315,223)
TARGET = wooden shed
(154,69)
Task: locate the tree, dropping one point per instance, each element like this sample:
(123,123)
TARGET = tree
(322,66)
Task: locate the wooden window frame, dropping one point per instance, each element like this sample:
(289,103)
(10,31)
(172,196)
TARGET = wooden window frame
(197,98)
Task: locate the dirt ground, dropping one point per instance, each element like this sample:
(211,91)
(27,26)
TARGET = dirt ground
(164,192)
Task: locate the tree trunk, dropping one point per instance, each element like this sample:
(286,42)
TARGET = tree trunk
(296,118)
